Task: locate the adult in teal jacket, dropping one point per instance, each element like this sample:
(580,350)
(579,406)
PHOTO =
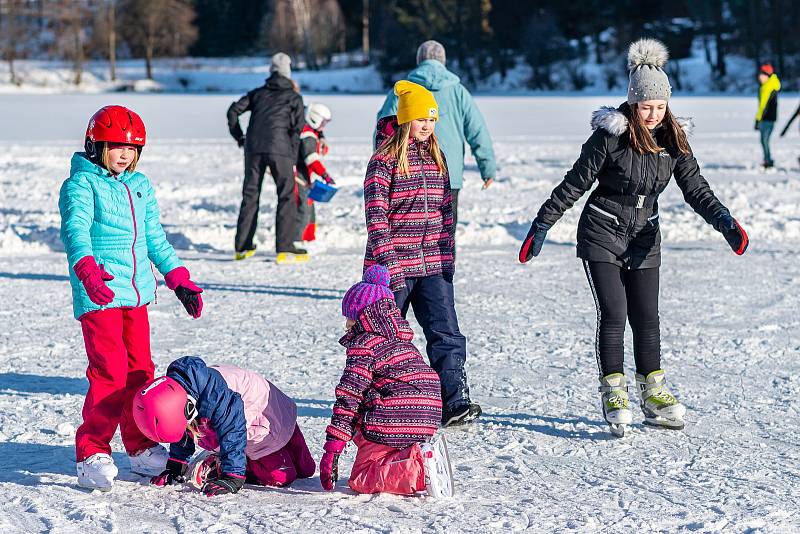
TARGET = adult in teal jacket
(459,118)
(115,220)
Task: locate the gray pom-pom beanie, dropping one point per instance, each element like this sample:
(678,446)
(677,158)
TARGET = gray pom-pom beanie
(282,64)
(648,81)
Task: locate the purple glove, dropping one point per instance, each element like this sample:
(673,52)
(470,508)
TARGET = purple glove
(327,178)
(187,291)
(94,280)
(329,465)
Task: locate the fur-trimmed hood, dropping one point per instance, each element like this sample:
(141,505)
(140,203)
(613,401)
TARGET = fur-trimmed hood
(615,122)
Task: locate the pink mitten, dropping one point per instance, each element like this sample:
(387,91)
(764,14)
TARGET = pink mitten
(187,291)
(94,280)
(329,465)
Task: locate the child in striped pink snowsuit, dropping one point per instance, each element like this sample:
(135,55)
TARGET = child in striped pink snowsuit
(388,400)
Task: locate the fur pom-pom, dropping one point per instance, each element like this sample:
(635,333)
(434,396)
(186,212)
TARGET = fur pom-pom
(647,52)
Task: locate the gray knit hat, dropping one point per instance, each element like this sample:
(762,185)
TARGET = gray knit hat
(431,50)
(282,64)
(648,81)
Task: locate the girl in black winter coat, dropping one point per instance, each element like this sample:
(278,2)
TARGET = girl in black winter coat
(632,154)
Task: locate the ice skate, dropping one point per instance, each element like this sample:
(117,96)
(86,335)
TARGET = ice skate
(438,471)
(615,402)
(295,255)
(204,467)
(149,462)
(244,254)
(660,407)
(97,472)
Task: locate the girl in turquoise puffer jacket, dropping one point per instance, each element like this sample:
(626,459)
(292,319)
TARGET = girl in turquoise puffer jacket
(111,233)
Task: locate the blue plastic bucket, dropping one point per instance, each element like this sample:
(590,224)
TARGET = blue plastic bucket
(321,192)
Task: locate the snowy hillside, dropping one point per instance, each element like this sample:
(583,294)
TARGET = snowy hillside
(691,75)
(540,459)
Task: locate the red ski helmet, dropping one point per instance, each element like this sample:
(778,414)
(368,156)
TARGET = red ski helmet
(114,124)
(162,409)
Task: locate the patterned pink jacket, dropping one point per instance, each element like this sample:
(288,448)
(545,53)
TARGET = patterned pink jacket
(387,390)
(409,217)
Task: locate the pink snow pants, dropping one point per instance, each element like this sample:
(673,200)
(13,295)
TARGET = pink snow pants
(383,469)
(283,466)
(117,344)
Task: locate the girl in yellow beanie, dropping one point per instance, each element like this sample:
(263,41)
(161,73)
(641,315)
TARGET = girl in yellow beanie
(410,231)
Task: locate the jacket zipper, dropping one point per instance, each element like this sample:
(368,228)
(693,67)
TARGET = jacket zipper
(133,246)
(604,212)
(155,279)
(642,179)
(425,197)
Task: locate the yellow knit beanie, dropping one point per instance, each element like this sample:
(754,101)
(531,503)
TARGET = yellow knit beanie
(414,102)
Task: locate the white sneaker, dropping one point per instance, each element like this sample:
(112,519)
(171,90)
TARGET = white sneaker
(97,472)
(150,462)
(438,472)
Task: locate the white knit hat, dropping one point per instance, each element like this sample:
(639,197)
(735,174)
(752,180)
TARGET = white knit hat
(282,64)
(431,50)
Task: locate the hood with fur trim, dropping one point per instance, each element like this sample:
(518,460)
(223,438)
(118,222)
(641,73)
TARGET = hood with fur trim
(615,122)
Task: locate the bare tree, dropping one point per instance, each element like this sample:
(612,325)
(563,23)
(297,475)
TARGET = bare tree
(69,20)
(157,27)
(313,28)
(15,31)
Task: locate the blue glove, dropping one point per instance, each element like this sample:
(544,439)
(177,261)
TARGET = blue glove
(733,232)
(533,241)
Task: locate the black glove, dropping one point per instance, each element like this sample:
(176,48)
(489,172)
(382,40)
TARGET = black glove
(175,473)
(189,295)
(223,485)
(240,142)
(757,125)
(733,232)
(533,241)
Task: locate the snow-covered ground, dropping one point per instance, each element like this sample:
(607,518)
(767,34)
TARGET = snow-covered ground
(540,459)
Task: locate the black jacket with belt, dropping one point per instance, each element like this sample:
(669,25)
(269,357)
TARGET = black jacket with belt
(276,118)
(619,223)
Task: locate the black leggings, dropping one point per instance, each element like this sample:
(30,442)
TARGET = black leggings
(619,294)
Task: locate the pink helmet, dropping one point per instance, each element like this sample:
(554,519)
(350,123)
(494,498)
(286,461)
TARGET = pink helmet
(162,409)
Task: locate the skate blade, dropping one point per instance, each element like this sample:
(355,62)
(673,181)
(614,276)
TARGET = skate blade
(618,430)
(661,422)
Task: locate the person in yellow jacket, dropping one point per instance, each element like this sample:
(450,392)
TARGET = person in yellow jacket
(767,108)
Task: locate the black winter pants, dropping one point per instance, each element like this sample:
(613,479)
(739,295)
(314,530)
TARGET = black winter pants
(282,170)
(621,294)
(433,302)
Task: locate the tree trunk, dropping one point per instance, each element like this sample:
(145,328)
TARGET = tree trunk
(112,39)
(78,51)
(148,58)
(11,71)
(365,28)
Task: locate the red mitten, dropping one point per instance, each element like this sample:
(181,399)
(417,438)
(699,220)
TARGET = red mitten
(94,280)
(329,465)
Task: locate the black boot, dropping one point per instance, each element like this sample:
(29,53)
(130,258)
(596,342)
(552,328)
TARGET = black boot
(461,414)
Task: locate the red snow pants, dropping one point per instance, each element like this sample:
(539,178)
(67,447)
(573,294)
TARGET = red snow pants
(118,346)
(383,469)
(283,466)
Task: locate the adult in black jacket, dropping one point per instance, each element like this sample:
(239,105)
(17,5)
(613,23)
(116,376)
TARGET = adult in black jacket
(632,154)
(273,137)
